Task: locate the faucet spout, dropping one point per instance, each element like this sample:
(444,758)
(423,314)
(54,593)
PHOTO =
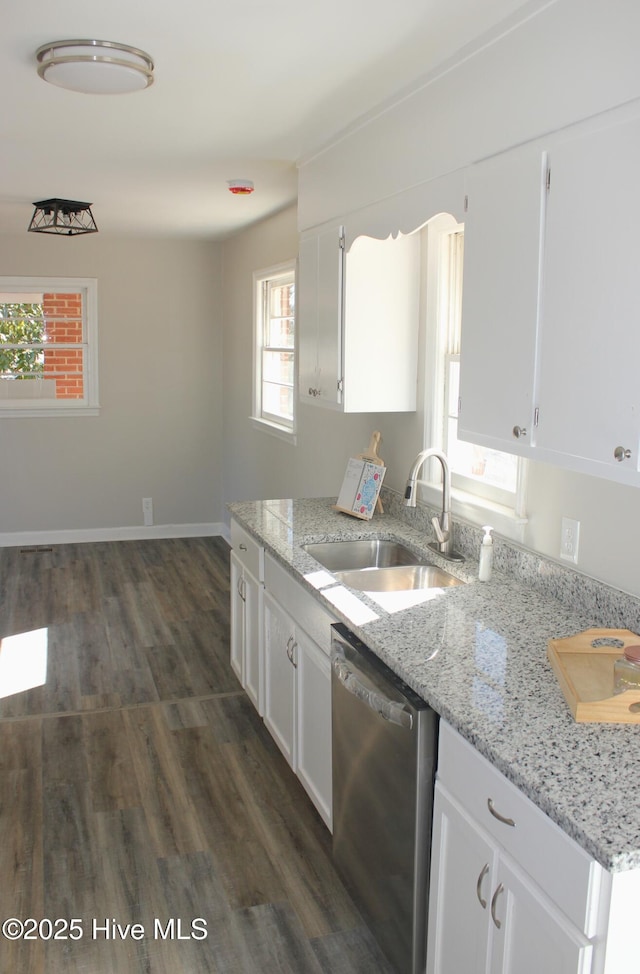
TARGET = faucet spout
(443,525)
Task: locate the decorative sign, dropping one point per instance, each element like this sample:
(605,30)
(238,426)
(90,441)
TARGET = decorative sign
(360,488)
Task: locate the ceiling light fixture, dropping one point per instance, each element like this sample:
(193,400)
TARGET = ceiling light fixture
(240,187)
(95,67)
(65,217)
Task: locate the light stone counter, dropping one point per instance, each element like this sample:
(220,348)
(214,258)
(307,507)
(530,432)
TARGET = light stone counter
(477,654)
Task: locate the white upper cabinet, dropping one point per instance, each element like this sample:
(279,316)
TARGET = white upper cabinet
(550,341)
(589,393)
(319,315)
(358,321)
(505,205)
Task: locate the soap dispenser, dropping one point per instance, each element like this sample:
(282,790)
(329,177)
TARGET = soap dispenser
(486,555)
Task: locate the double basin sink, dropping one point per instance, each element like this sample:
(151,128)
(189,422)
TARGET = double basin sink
(379,566)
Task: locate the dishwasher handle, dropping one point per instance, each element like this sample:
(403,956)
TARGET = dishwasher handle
(391,710)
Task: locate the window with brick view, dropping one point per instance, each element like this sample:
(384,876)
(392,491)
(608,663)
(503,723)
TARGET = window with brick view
(47,347)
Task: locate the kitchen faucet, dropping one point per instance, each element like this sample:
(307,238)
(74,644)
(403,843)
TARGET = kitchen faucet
(443,525)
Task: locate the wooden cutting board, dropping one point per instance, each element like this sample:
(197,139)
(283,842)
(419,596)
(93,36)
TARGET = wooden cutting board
(583,665)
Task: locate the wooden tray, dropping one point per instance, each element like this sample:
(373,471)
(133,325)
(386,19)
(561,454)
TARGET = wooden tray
(585,674)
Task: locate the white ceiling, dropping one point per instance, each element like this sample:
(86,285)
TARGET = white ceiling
(242,90)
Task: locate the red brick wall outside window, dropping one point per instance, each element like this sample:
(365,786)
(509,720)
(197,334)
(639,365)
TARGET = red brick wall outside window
(63,325)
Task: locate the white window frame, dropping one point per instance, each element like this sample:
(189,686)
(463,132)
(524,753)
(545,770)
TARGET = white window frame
(478,503)
(275,425)
(89,405)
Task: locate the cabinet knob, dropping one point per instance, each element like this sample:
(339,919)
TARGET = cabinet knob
(519,431)
(621,454)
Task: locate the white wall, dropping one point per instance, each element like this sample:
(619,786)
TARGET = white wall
(259,465)
(572,60)
(159,430)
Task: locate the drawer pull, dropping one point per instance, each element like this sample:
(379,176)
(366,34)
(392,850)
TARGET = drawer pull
(499,889)
(242,547)
(496,814)
(481,899)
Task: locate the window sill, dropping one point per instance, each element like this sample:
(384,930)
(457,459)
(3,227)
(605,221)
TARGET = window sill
(281,432)
(41,412)
(478,510)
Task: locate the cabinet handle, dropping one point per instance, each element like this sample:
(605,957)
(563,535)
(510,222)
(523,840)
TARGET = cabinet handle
(242,589)
(481,900)
(294,655)
(621,454)
(519,431)
(291,648)
(499,889)
(242,547)
(496,814)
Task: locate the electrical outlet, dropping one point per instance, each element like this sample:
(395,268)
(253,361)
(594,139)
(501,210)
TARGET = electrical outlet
(569,539)
(147,511)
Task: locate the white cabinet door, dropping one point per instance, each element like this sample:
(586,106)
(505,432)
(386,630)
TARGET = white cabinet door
(319,316)
(533,935)
(358,320)
(463,864)
(314,723)
(500,299)
(280,682)
(590,343)
(237,617)
(246,635)
(381,317)
(253,656)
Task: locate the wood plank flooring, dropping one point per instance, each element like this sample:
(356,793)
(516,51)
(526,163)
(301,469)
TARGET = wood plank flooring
(138,786)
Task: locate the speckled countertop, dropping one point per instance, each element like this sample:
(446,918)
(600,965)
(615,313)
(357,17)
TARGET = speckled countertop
(477,654)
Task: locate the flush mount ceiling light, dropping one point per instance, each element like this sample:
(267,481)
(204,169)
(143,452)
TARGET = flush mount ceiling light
(65,217)
(95,67)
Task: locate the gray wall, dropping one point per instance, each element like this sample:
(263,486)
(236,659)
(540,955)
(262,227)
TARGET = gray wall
(159,430)
(257,464)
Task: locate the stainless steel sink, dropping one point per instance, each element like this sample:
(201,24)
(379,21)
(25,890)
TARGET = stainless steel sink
(342,556)
(404,578)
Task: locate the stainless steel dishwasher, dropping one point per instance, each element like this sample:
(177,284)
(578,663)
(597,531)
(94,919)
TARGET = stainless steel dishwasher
(384,756)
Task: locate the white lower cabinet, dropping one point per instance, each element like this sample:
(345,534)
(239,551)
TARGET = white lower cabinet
(246,615)
(280,650)
(313,727)
(297,667)
(510,893)
(486,914)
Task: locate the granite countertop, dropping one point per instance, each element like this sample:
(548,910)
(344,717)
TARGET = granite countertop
(477,653)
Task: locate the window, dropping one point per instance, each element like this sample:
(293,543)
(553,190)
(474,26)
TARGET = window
(48,347)
(481,478)
(275,352)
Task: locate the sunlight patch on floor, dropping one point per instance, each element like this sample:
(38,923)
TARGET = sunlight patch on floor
(23,661)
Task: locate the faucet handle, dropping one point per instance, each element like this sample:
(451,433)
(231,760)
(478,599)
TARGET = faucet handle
(441,535)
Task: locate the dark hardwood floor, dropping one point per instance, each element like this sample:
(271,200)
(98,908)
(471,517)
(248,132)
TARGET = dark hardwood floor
(140,795)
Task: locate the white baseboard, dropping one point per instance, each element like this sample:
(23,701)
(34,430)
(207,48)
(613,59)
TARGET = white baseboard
(21,539)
